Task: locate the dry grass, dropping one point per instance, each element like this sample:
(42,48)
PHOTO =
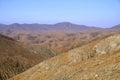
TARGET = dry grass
(83,63)
(16,57)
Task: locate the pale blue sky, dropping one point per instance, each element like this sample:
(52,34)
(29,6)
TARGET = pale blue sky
(101,13)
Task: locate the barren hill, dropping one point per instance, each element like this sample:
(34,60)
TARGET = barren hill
(98,60)
(16,57)
(59,37)
(39,28)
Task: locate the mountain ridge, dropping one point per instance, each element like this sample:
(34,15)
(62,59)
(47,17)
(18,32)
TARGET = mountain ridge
(47,27)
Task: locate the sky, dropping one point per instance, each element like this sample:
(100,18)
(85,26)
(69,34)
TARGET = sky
(101,13)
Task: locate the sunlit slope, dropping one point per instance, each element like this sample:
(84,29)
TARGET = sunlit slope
(99,60)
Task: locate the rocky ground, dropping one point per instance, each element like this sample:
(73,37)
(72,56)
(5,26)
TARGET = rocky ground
(98,60)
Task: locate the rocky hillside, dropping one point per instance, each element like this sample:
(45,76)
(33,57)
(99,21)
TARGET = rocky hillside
(16,57)
(98,60)
(60,37)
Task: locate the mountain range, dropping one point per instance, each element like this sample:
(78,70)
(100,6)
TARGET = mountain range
(98,60)
(59,37)
(38,28)
(62,51)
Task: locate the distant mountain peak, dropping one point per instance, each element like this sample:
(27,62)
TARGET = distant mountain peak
(64,23)
(117,26)
(15,24)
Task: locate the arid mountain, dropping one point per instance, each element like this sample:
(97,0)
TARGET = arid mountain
(61,42)
(41,28)
(117,27)
(98,60)
(42,41)
(59,37)
(16,57)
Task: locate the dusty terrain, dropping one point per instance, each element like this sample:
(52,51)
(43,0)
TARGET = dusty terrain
(16,57)
(59,37)
(98,60)
(31,44)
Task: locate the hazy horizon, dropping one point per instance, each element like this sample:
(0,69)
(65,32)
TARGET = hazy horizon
(102,13)
(60,22)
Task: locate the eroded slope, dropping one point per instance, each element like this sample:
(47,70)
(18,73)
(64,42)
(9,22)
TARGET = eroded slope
(99,60)
(16,57)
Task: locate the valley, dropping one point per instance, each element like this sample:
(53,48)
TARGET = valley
(58,48)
